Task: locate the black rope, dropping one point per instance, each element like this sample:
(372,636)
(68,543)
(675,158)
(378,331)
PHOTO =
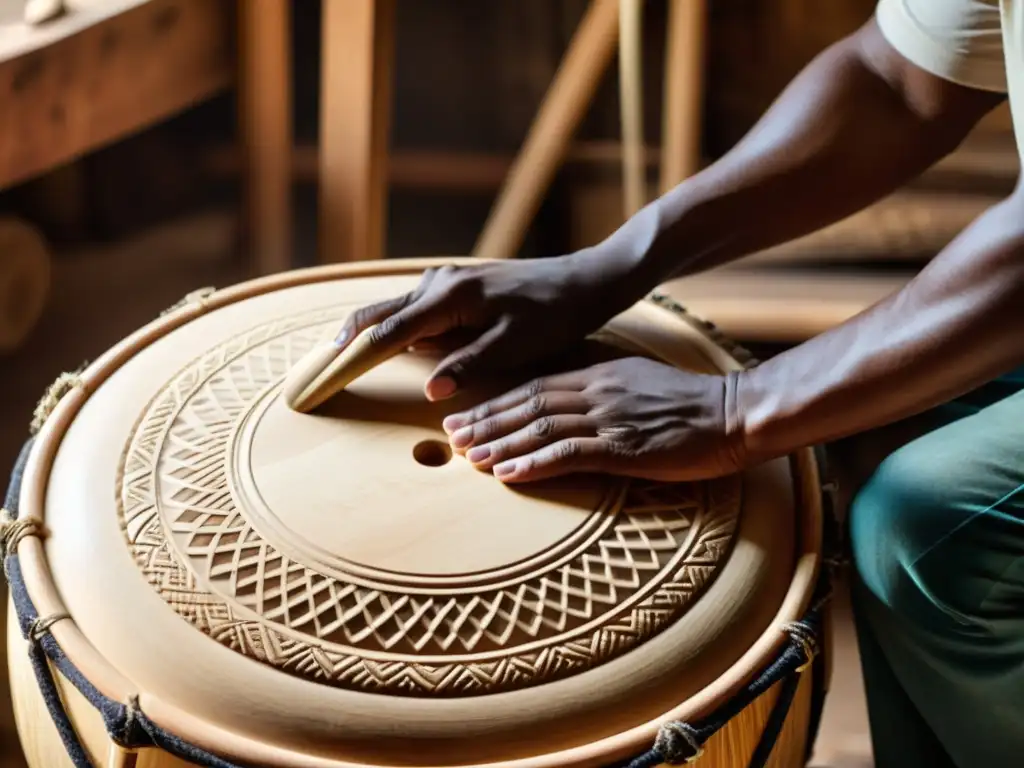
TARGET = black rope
(677,742)
(126,724)
(776,722)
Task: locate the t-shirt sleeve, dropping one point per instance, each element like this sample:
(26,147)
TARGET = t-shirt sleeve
(957,40)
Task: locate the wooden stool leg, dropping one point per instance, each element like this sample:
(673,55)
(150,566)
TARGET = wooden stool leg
(684,91)
(565,104)
(355,121)
(265,120)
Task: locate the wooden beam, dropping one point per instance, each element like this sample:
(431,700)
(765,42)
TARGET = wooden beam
(102,72)
(355,112)
(564,105)
(433,169)
(781,306)
(909,224)
(265,124)
(683,111)
(631,106)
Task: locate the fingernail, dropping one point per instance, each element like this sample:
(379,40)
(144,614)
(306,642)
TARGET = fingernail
(342,338)
(453,422)
(505,468)
(440,388)
(463,437)
(478,454)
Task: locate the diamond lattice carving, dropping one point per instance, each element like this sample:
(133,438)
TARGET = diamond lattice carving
(191,539)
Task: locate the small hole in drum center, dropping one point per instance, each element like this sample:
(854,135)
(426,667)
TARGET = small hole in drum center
(432,453)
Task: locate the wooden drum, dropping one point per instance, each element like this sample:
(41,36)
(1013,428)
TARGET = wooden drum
(207,575)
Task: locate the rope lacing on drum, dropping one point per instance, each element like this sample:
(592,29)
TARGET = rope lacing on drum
(40,625)
(807,638)
(678,743)
(13,530)
(128,731)
(198,297)
(48,402)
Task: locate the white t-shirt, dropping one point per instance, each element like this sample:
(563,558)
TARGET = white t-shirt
(977,43)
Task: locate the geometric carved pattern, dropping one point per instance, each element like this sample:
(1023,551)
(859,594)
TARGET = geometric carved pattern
(189,533)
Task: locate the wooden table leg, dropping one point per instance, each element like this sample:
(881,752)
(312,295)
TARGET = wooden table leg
(565,104)
(684,91)
(265,120)
(355,122)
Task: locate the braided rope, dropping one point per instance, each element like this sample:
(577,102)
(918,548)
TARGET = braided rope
(198,296)
(13,530)
(65,383)
(806,638)
(131,724)
(678,743)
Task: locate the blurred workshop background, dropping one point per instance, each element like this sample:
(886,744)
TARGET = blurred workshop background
(152,147)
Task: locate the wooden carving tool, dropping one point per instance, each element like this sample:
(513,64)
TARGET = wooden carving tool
(327,369)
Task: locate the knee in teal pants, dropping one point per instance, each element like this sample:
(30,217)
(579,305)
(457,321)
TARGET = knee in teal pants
(937,537)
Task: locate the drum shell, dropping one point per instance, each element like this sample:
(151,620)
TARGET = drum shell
(727,748)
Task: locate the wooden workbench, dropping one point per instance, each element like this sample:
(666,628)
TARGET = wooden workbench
(98,72)
(104,70)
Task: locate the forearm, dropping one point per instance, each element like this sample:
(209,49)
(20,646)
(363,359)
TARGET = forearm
(956,325)
(855,125)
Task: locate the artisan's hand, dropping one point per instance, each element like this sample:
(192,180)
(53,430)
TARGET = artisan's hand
(631,417)
(497,315)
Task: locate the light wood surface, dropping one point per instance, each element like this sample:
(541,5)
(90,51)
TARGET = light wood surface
(355,108)
(326,370)
(265,122)
(565,104)
(24,280)
(101,71)
(348,495)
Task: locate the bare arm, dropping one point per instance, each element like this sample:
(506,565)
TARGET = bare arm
(956,325)
(855,125)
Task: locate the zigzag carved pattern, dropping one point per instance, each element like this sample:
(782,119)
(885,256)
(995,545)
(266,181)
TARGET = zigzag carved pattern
(634,582)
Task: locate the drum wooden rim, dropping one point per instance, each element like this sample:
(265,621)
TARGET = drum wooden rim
(103,675)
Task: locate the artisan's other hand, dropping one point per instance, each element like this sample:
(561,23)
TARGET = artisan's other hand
(498,315)
(632,417)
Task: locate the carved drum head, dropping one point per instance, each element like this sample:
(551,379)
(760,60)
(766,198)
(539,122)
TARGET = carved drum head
(338,585)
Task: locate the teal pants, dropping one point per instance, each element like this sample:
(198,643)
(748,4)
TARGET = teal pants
(937,538)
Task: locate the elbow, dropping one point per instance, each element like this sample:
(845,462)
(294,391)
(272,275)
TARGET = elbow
(944,111)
